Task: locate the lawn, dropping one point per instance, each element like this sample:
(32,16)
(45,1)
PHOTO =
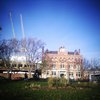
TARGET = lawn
(39,90)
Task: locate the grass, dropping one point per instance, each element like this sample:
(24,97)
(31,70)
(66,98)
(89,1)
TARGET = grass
(23,90)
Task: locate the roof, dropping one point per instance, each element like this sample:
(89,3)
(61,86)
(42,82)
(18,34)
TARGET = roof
(52,52)
(55,52)
(71,53)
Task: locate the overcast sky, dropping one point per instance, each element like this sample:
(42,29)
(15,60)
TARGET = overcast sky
(74,24)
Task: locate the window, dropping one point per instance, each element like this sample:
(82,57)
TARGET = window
(53,66)
(78,67)
(78,74)
(73,59)
(62,66)
(47,72)
(19,65)
(71,74)
(25,66)
(68,59)
(53,72)
(53,59)
(15,65)
(71,66)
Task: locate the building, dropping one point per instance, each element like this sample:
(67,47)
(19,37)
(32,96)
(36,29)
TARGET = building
(92,74)
(63,63)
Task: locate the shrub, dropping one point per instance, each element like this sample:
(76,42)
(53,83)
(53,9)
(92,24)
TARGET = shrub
(35,85)
(50,81)
(63,81)
(32,85)
(56,82)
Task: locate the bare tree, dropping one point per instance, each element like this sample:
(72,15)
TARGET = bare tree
(86,64)
(46,63)
(7,48)
(5,52)
(33,48)
(95,63)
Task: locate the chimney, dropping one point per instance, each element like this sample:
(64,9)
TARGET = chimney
(79,51)
(42,53)
(75,51)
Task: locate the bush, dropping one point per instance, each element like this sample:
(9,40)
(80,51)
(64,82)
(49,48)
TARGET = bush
(35,85)
(63,81)
(50,81)
(56,82)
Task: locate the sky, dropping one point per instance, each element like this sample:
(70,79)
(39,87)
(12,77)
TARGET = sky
(74,24)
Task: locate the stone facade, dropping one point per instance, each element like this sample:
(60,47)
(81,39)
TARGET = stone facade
(65,63)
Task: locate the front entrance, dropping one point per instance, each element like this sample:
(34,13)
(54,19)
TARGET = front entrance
(62,73)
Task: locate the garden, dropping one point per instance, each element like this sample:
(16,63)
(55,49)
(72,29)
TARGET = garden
(50,89)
